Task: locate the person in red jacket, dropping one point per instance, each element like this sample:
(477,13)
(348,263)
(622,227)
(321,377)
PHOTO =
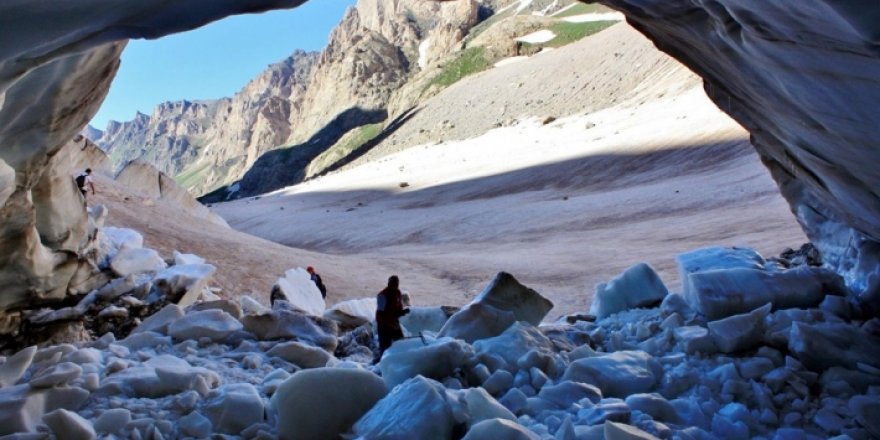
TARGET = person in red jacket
(389,309)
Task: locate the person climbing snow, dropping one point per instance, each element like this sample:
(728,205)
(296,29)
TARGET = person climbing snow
(84,182)
(389,309)
(317,280)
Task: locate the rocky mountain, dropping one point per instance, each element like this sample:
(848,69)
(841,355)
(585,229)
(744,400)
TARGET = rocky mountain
(379,61)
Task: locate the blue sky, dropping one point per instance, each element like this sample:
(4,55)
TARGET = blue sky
(215,60)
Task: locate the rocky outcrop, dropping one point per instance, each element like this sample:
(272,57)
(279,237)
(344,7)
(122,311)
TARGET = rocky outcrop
(803,79)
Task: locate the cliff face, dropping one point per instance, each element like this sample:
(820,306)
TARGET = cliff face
(208,141)
(804,79)
(308,99)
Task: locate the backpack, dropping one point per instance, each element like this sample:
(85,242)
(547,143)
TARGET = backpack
(80,181)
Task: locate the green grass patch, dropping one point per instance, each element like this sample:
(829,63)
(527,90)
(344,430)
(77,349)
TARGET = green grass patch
(192,176)
(567,33)
(583,8)
(344,147)
(468,62)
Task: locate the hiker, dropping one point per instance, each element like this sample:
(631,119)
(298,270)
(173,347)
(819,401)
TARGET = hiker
(317,280)
(389,309)
(84,182)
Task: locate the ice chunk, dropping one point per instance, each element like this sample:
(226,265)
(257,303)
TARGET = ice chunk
(297,288)
(504,294)
(638,286)
(422,319)
(477,321)
(133,261)
(654,405)
(617,374)
(438,359)
(739,332)
(566,393)
(499,381)
(515,342)
(111,240)
(824,345)
(499,429)
(234,407)
(481,406)
(289,324)
(58,374)
(160,321)
(13,369)
(353,313)
(713,258)
(69,425)
(180,259)
(324,403)
(112,420)
(299,354)
(195,425)
(184,283)
(212,324)
(867,412)
(620,431)
(418,408)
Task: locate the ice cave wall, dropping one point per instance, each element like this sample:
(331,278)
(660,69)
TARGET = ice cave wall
(57,60)
(804,78)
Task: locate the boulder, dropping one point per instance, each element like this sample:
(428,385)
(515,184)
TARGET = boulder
(212,324)
(617,374)
(437,360)
(297,288)
(299,354)
(515,342)
(69,425)
(501,298)
(184,283)
(499,429)
(288,324)
(418,408)
(234,407)
(638,286)
(739,332)
(324,403)
(22,407)
(134,261)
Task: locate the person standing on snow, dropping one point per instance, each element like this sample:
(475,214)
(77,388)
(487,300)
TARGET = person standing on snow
(389,309)
(317,280)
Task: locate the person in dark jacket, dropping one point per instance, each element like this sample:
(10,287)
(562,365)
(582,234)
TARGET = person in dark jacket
(389,309)
(317,280)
